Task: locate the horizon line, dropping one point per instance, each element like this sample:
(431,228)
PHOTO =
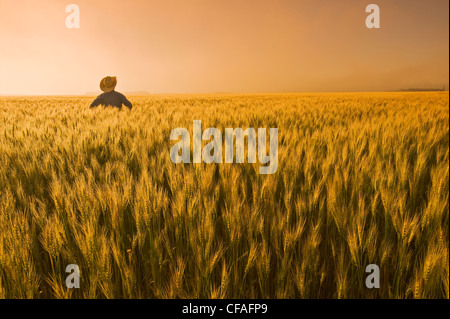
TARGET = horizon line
(143,93)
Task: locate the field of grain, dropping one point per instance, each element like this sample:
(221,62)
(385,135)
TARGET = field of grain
(362,179)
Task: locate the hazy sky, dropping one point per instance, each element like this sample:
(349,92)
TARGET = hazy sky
(189,46)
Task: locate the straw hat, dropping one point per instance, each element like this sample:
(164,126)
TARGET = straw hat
(108,84)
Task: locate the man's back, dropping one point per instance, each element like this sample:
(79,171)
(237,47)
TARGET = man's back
(112,98)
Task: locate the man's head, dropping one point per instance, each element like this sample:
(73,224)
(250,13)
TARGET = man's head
(108,84)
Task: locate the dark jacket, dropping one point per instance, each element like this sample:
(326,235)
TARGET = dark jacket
(112,98)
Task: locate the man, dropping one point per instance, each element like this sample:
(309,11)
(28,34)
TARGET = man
(110,97)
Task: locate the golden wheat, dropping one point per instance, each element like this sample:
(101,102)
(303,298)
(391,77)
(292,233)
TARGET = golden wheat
(362,179)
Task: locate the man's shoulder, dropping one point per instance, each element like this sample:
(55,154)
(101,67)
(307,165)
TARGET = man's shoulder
(118,93)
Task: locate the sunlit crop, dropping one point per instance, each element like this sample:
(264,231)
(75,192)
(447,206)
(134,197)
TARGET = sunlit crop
(362,179)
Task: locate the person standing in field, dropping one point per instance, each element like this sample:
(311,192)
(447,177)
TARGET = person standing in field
(110,97)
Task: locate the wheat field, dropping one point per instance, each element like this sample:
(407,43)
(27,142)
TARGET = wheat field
(363,178)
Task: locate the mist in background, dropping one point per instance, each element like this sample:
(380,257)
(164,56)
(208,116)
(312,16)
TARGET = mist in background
(205,46)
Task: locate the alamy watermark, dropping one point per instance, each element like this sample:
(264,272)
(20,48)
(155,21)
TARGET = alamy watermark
(373,280)
(215,146)
(373,19)
(73,280)
(73,19)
